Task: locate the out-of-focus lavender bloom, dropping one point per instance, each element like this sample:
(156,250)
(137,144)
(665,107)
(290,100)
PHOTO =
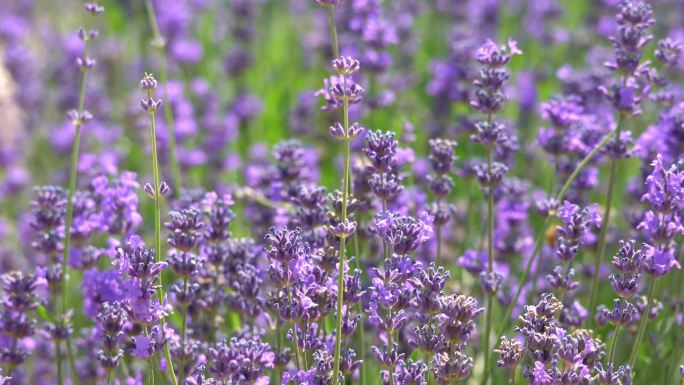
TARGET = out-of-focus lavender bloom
(669,52)
(451,367)
(112,318)
(20,296)
(403,233)
(142,271)
(511,352)
(118,202)
(662,223)
(253,355)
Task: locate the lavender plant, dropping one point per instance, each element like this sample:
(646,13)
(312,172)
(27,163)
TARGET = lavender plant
(297,254)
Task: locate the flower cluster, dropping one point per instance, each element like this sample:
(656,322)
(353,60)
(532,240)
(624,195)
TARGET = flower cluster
(662,223)
(278,252)
(20,297)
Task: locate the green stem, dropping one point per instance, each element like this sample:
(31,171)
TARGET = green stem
(157,233)
(490,268)
(515,372)
(438,230)
(279,346)
(72,363)
(73,175)
(390,345)
(362,329)
(58,349)
(604,230)
(540,235)
(613,344)
(160,44)
(333,32)
(184,332)
(109,377)
(295,337)
(342,251)
(485,346)
(150,372)
(642,323)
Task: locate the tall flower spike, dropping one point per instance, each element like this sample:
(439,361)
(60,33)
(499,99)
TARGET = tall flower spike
(633,20)
(85,64)
(490,98)
(158,310)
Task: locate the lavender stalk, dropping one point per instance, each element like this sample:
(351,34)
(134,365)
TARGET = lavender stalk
(633,20)
(79,118)
(540,235)
(160,43)
(490,99)
(604,231)
(642,323)
(149,84)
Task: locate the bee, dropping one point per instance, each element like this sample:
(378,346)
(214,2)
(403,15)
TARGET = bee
(551,235)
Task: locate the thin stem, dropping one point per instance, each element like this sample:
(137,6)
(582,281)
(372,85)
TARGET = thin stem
(430,378)
(390,345)
(540,235)
(490,216)
(109,377)
(73,175)
(157,199)
(515,372)
(613,344)
(604,231)
(58,349)
(438,230)
(157,234)
(150,372)
(304,358)
(342,251)
(362,344)
(642,323)
(485,345)
(333,31)
(295,337)
(362,329)
(490,267)
(72,363)
(160,44)
(279,345)
(184,331)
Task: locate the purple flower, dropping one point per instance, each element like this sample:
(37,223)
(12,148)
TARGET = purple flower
(665,187)
(146,346)
(658,261)
(492,55)
(99,287)
(540,376)
(668,52)
(404,233)
(242,359)
(452,367)
(511,352)
(118,203)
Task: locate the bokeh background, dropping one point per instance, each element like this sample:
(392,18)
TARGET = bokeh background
(243,76)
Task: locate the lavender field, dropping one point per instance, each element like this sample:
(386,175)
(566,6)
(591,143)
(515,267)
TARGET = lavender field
(331,192)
